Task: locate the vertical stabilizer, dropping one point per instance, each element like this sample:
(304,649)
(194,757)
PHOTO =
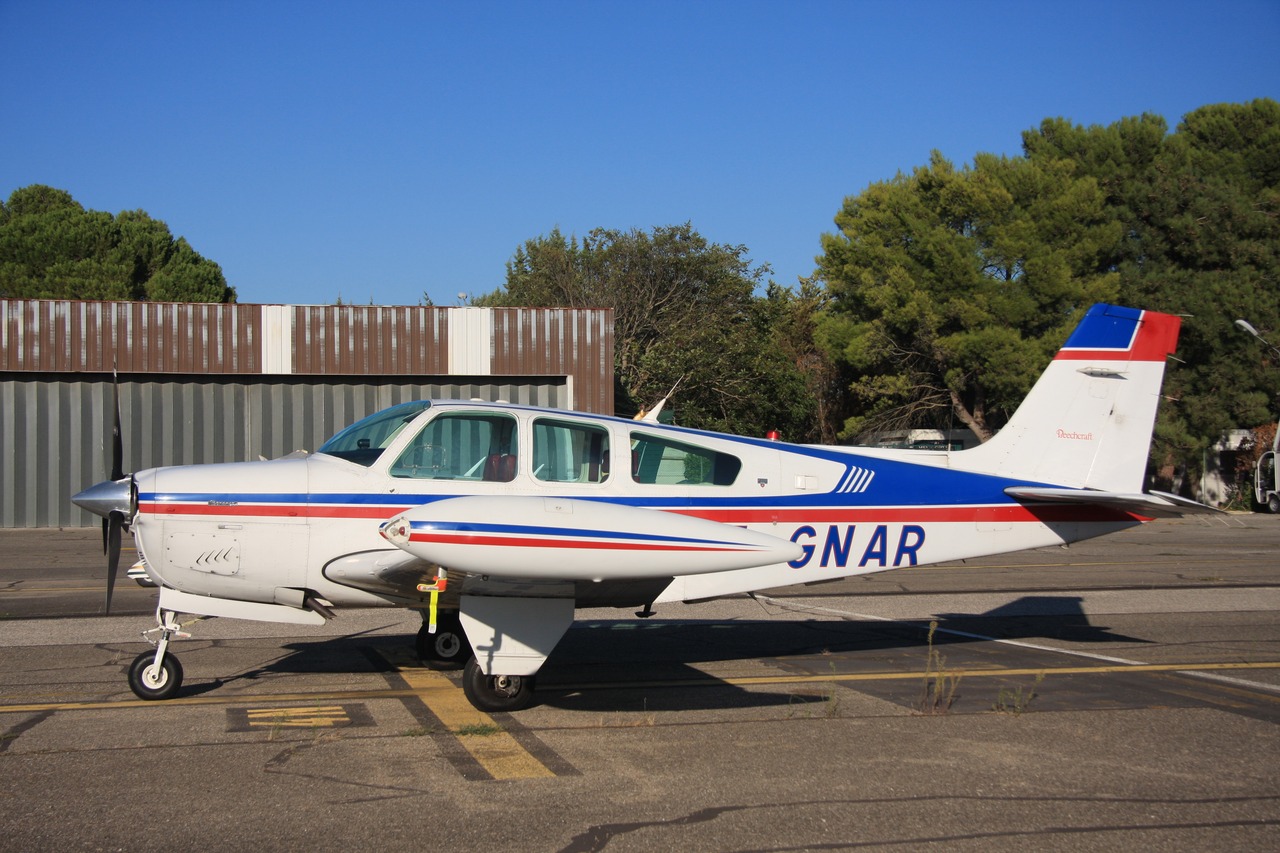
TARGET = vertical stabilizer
(1087,423)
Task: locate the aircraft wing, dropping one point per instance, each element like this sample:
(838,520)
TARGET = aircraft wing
(403,576)
(391,573)
(1148,505)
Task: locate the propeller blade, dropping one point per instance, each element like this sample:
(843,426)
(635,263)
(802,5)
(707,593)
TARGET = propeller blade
(117,444)
(114,522)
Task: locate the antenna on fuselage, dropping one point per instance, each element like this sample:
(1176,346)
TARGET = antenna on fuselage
(651,416)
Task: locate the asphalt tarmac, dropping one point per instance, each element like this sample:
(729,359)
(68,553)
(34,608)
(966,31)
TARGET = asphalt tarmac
(1118,695)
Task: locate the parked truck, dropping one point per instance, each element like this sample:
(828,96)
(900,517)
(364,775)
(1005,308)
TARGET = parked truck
(1266,477)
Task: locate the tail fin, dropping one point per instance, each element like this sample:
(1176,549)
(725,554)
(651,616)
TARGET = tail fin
(1087,422)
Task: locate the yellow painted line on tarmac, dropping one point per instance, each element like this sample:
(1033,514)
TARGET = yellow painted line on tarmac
(761,680)
(302,718)
(496,750)
(979,673)
(1077,564)
(21,590)
(489,744)
(229,699)
(447,701)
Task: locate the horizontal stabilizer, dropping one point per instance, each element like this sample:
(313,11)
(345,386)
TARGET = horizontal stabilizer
(1150,505)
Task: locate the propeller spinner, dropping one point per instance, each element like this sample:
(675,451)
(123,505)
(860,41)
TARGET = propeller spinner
(113,499)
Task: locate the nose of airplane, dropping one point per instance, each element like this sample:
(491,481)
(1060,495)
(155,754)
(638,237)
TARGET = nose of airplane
(106,497)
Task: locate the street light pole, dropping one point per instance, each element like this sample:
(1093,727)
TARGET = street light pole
(1266,475)
(1246,326)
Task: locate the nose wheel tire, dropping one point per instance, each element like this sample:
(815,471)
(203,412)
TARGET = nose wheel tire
(496,692)
(148,681)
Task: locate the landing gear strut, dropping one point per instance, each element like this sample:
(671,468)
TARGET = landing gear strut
(496,692)
(158,674)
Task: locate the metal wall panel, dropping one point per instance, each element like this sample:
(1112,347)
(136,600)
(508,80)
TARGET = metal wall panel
(212,382)
(55,336)
(559,340)
(134,337)
(55,430)
(373,339)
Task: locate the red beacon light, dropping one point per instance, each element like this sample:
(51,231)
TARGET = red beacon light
(772,435)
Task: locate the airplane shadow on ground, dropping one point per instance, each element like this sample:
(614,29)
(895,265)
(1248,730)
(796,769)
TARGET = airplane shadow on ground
(666,651)
(652,664)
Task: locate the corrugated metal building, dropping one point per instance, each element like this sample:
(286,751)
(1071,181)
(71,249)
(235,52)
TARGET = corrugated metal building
(224,383)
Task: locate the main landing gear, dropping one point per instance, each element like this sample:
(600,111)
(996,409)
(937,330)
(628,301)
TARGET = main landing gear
(446,647)
(513,636)
(496,692)
(157,674)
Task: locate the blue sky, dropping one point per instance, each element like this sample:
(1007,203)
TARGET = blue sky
(381,150)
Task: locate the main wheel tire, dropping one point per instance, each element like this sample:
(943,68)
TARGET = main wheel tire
(447,648)
(153,683)
(496,692)
(1273,503)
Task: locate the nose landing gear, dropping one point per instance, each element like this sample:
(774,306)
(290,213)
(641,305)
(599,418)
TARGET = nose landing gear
(158,674)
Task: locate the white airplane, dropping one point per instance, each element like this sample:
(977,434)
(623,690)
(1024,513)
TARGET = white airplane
(497,521)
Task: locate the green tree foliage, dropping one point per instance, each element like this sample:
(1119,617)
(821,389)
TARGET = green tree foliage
(52,248)
(950,287)
(685,311)
(1200,209)
(794,318)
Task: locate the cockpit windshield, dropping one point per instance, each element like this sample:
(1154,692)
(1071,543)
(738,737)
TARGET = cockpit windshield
(364,441)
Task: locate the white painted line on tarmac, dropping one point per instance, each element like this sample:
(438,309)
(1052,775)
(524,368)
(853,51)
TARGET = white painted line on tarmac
(869,617)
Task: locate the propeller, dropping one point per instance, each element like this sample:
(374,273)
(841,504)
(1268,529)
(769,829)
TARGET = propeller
(111,527)
(114,499)
(115,520)
(117,444)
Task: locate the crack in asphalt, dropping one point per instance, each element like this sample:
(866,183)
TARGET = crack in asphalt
(596,838)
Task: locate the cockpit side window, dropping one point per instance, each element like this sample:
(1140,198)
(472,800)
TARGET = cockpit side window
(364,441)
(661,461)
(462,446)
(566,452)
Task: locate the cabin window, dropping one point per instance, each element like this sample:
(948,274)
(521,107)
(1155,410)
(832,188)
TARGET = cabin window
(364,441)
(478,447)
(565,452)
(661,461)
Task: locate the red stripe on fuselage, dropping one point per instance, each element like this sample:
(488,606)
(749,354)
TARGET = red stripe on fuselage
(1002,513)
(275,510)
(1013,513)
